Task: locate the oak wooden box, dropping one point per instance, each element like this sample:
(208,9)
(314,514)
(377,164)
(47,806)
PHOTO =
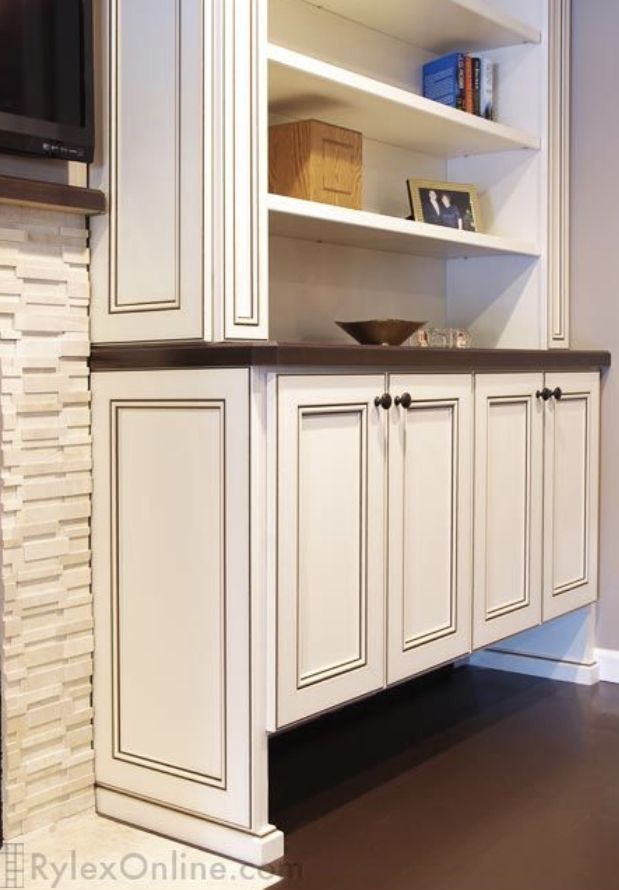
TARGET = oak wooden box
(317,162)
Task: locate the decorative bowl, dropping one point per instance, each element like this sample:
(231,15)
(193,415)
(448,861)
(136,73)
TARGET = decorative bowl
(381,331)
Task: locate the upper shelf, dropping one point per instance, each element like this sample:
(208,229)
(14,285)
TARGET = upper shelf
(311,221)
(439,26)
(304,87)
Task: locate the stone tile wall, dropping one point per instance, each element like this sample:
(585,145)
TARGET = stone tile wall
(44,518)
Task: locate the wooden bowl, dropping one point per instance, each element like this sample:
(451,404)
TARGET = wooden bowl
(381,331)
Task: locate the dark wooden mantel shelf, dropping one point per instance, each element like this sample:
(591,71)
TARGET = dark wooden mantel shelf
(191,354)
(51,196)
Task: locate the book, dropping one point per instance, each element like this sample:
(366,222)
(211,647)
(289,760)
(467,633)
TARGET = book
(476,85)
(486,90)
(444,80)
(468,85)
(461,81)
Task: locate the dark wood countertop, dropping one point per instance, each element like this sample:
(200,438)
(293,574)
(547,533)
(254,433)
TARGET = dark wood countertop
(197,354)
(51,196)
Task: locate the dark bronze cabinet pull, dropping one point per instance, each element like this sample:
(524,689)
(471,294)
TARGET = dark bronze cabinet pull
(385,401)
(544,394)
(557,393)
(405,400)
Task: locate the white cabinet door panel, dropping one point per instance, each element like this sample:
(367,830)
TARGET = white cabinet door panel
(171,588)
(430,517)
(330,548)
(152,254)
(509,429)
(571,493)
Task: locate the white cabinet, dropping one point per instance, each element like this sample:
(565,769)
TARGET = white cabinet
(509,441)
(466,508)
(571,467)
(430,516)
(536,500)
(171,590)
(180,85)
(331,444)
(150,277)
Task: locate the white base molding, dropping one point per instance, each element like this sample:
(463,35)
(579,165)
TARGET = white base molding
(258,850)
(536,666)
(608,660)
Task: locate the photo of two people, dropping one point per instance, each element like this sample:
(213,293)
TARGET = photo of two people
(445,204)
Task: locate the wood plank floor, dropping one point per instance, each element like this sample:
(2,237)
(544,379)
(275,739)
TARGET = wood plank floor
(463,780)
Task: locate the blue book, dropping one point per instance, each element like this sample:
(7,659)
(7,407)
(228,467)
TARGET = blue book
(443,80)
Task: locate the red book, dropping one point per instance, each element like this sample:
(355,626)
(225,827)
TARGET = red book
(469,92)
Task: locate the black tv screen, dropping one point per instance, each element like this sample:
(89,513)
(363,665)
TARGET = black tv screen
(46,101)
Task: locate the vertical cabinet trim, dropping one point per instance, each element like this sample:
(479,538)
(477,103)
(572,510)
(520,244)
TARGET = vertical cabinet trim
(244,164)
(560,14)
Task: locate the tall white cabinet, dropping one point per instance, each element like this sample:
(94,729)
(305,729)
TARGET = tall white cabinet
(171,561)
(178,155)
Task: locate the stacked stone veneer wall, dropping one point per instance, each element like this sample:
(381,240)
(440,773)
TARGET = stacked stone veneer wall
(44,518)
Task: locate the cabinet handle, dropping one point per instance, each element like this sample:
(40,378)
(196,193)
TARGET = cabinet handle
(385,401)
(557,393)
(405,400)
(544,394)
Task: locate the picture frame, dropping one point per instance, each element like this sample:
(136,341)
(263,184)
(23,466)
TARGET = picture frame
(449,204)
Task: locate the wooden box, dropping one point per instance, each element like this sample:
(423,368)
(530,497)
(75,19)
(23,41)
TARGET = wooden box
(317,162)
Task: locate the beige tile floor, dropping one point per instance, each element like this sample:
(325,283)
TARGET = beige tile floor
(89,851)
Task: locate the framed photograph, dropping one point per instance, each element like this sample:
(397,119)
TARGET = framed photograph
(447,204)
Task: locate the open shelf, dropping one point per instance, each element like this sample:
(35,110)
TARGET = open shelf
(303,87)
(311,221)
(439,26)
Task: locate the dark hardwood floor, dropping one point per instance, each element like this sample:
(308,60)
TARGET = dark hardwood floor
(462,780)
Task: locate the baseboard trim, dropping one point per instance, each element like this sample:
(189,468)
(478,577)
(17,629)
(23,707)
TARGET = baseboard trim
(551,669)
(608,660)
(222,839)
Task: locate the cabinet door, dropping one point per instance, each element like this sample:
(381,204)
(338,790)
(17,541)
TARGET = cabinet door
(152,258)
(330,546)
(571,493)
(430,523)
(171,589)
(509,431)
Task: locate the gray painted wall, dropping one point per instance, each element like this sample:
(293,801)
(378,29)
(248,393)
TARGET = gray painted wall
(595,255)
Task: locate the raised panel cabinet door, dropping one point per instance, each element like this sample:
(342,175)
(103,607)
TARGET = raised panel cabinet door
(507,563)
(430,522)
(571,468)
(171,589)
(152,255)
(330,542)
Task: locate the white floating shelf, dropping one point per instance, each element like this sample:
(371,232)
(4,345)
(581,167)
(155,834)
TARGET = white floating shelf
(311,221)
(439,26)
(303,87)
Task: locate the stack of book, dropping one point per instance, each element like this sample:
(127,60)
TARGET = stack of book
(461,81)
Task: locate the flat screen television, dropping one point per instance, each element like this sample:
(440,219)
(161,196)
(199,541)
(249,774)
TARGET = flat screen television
(46,83)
